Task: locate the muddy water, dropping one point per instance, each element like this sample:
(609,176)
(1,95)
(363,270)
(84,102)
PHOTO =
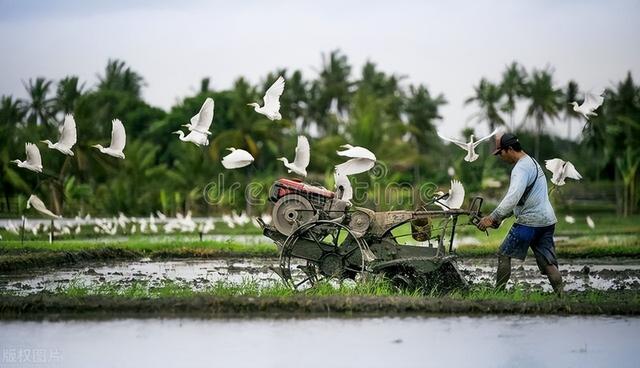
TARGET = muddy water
(381,342)
(578,275)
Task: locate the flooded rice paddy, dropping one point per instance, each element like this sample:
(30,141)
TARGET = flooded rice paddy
(503,341)
(603,274)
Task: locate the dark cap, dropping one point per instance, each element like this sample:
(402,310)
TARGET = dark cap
(507,140)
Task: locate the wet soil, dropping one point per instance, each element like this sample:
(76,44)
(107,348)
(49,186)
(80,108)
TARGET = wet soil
(197,274)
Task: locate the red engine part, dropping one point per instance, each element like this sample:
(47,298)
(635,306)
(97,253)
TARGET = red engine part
(283,187)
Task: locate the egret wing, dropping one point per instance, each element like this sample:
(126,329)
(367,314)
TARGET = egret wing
(303,153)
(205,116)
(118,135)
(272,96)
(69,135)
(455,141)
(571,171)
(354,166)
(456,195)
(357,152)
(476,143)
(33,154)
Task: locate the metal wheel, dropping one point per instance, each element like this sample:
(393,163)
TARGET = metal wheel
(319,251)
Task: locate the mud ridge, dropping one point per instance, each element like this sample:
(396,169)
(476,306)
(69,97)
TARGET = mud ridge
(42,306)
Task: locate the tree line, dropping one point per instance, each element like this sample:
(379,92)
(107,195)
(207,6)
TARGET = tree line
(338,105)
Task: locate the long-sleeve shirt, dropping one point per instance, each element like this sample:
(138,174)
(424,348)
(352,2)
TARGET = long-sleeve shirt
(536,210)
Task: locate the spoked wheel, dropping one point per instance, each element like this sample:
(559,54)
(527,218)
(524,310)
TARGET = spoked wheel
(320,251)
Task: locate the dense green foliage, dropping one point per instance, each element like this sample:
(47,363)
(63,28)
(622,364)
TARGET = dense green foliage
(368,107)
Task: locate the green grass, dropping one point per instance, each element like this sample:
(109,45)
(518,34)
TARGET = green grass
(370,288)
(139,244)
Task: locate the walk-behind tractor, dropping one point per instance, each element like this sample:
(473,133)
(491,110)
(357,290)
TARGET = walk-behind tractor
(322,237)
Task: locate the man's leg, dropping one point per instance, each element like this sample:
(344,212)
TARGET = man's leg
(504,272)
(555,278)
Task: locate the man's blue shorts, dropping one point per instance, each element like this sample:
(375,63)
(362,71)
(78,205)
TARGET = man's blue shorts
(539,239)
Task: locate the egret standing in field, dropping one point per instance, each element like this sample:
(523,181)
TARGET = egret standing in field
(469,146)
(33,161)
(302,158)
(199,125)
(118,140)
(68,137)
(590,223)
(271,108)
(237,158)
(589,105)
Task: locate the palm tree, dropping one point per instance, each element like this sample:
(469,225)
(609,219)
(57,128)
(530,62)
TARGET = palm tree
(67,94)
(570,95)
(545,101)
(39,107)
(512,85)
(119,77)
(332,83)
(488,97)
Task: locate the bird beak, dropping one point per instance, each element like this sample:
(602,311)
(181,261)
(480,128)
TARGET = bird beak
(176,132)
(94,145)
(43,141)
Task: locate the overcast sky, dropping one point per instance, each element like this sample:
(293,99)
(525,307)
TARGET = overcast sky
(448,45)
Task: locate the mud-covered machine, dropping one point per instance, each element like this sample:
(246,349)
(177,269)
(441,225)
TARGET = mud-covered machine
(321,237)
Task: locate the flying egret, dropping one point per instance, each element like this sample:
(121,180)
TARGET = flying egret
(469,146)
(589,105)
(39,206)
(590,222)
(343,185)
(561,170)
(271,108)
(301,161)
(68,137)
(354,166)
(118,140)
(201,121)
(195,137)
(453,199)
(569,219)
(237,158)
(33,161)
(356,152)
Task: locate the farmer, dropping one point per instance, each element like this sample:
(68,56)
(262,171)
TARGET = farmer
(528,200)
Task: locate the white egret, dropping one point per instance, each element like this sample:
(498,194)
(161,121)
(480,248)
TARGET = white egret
(68,137)
(569,219)
(237,158)
(453,199)
(271,108)
(33,161)
(589,105)
(469,146)
(201,121)
(301,161)
(561,170)
(356,152)
(118,140)
(195,137)
(590,222)
(39,206)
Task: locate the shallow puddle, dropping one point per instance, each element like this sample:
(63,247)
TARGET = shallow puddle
(506,341)
(578,275)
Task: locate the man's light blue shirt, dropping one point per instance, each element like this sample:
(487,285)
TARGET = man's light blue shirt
(536,210)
